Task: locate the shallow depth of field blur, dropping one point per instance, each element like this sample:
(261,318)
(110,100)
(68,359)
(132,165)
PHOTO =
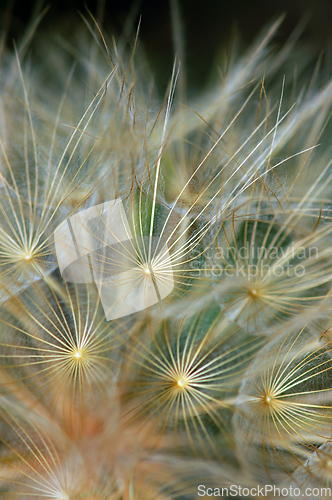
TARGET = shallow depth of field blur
(165,250)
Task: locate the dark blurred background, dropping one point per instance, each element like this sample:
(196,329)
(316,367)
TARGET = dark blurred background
(208,25)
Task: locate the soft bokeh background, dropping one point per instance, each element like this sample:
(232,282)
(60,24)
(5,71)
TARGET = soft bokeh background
(208,25)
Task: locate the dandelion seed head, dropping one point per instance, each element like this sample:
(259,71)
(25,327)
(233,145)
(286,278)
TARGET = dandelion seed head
(63,496)
(182,383)
(281,407)
(187,373)
(228,180)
